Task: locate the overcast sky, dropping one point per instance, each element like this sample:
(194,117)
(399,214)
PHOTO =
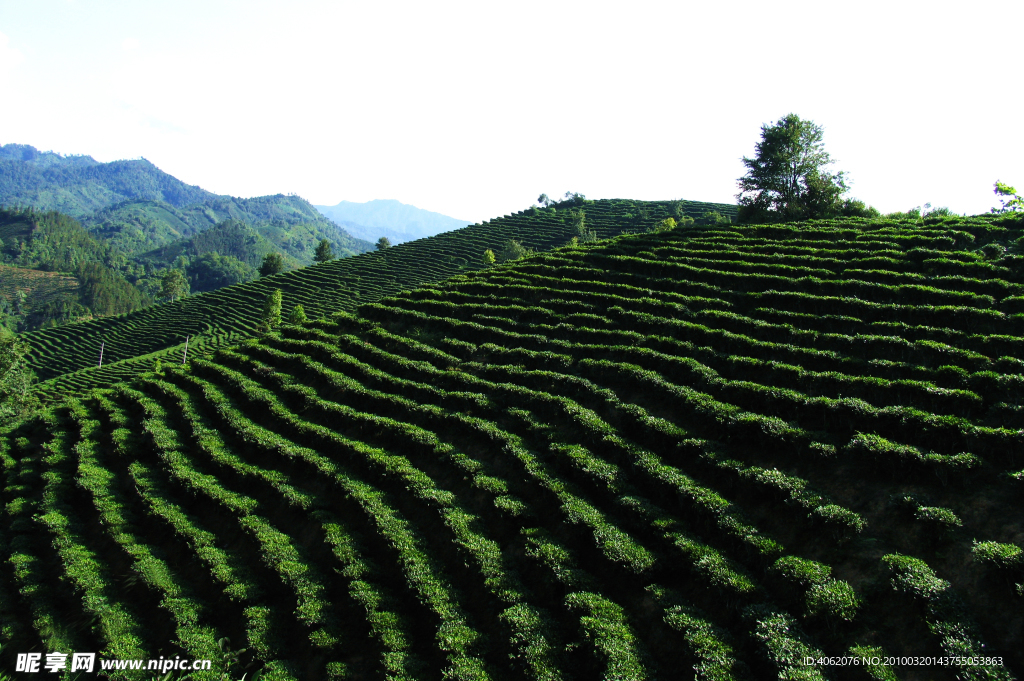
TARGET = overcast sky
(473,109)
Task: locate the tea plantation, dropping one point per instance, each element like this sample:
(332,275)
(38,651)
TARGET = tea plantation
(705,453)
(66,359)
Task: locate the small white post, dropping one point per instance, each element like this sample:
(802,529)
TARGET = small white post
(101,354)
(184,355)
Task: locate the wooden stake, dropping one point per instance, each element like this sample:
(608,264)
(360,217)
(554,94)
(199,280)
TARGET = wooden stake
(184,355)
(101,354)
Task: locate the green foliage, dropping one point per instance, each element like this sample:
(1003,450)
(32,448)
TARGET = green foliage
(784,644)
(1013,203)
(383,243)
(488,258)
(526,472)
(297,316)
(16,378)
(211,271)
(323,251)
(787,179)
(937,518)
(578,221)
(513,250)
(271,317)
(833,598)
(855,208)
(995,554)
(993,251)
(919,213)
(106,293)
(823,595)
(665,225)
(174,284)
(712,218)
(272,264)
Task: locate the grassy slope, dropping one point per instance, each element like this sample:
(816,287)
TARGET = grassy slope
(584,465)
(63,357)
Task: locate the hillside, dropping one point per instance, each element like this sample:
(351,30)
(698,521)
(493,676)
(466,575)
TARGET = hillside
(719,449)
(24,292)
(397,221)
(62,357)
(38,251)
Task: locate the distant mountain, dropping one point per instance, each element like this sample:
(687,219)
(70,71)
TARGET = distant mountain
(137,208)
(79,185)
(117,226)
(397,221)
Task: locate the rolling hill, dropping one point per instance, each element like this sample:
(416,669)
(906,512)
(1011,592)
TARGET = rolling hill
(708,452)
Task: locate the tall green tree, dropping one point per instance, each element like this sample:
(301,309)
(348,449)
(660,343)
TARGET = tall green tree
(174,284)
(271,317)
(788,177)
(15,377)
(272,264)
(578,219)
(323,252)
(383,243)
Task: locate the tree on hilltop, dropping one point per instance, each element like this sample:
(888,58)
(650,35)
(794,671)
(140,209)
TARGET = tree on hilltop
(383,243)
(788,178)
(570,199)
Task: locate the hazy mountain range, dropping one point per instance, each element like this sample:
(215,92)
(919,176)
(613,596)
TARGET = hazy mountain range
(397,221)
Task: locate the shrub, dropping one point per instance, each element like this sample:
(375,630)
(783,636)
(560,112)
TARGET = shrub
(993,251)
(941,519)
(833,598)
(297,316)
(1002,556)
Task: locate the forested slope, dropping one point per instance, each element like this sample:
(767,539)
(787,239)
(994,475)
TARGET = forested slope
(66,358)
(720,450)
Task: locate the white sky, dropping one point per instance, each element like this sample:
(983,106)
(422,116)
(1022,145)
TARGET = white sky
(472,109)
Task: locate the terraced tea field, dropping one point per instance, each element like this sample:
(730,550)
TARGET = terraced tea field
(38,287)
(66,359)
(707,453)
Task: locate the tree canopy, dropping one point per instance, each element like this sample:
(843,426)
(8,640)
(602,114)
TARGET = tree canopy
(788,178)
(174,284)
(211,271)
(272,264)
(383,243)
(15,377)
(1013,202)
(323,251)
(271,316)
